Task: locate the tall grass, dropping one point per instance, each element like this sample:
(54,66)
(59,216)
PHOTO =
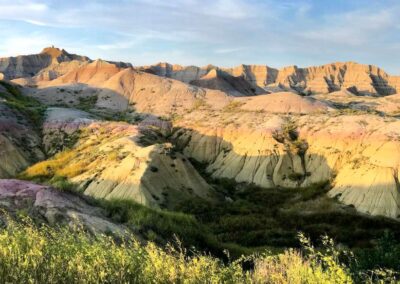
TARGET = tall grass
(32,254)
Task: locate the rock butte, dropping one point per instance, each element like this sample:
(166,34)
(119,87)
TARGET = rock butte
(345,131)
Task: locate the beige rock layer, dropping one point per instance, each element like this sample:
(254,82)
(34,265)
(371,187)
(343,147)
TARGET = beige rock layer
(366,79)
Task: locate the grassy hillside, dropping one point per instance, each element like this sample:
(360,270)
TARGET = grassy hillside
(28,106)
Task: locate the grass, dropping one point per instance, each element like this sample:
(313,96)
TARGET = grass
(31,108)
(233,106)
(32,253)
(258,217)
(87,103)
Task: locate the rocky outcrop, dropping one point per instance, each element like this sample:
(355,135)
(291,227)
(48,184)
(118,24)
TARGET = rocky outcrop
(46,204)
(30,65)
(363,79)
(275,140)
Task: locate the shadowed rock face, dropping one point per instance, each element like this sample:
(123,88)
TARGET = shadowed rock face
(43,203)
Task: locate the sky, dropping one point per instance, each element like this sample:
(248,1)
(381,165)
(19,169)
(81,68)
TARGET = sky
(226,33)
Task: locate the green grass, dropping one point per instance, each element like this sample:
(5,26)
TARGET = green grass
(161,225)
(259,217)
(87,103)
(31,253)
(30,107)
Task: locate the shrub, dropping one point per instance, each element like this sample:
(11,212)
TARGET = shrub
(31,254)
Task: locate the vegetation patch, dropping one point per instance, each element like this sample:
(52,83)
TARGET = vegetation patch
(87,103)
(250,217)
(28,106)
(31,253)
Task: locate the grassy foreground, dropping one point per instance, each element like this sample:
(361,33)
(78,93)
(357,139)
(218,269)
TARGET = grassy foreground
(32,254)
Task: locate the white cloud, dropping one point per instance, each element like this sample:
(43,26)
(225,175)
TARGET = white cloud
(273,31)
(27,11)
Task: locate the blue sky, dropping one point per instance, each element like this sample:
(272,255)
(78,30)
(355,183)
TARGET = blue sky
(199,32)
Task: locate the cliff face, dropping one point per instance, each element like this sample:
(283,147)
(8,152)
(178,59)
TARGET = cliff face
(361,79)
(46,204)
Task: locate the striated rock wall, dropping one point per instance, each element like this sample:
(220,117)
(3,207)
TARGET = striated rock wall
(363,79)
(359,154)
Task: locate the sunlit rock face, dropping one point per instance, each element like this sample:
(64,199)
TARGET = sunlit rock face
(363,79)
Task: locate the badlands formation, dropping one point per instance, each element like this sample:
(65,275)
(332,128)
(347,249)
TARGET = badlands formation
(288,128)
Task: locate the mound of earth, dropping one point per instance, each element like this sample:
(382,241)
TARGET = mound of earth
(122,89)
(113,160)
(234,86)
(284,102)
